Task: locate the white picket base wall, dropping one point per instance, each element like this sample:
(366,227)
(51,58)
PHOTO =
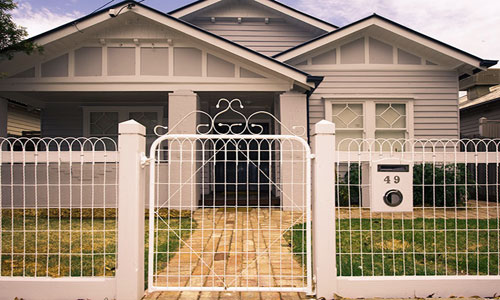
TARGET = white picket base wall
(57,288)
(418,286)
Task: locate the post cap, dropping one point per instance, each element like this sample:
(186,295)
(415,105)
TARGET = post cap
(324,127)
(131,127)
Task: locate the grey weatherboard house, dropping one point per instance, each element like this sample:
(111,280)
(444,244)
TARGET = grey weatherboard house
(130,61)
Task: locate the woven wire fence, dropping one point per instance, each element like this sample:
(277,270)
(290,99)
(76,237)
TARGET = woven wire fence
(58,207)
(453,225)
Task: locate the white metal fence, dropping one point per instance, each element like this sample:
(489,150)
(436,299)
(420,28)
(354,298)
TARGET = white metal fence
(450,223)
(233,212)
(58,206)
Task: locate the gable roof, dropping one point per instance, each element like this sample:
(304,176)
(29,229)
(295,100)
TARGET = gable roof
(393,27)
(265,61)
(272,4)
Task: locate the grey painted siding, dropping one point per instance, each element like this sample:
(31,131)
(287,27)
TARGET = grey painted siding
(435,94)
(268,39)
(469,118)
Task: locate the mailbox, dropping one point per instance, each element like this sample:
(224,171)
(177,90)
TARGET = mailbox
(391,186)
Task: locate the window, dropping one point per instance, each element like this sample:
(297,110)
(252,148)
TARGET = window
(103,121)
(349,120)
(370,119)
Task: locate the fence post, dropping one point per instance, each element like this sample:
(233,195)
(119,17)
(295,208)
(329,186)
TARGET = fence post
(323,209)
(131,194)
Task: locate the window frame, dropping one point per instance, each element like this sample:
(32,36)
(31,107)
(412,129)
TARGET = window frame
(369,113)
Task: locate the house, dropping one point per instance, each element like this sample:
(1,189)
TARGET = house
(374,78)
(480,108)
(22,120)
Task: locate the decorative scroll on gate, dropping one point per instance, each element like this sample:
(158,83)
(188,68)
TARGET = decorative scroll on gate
(230,206)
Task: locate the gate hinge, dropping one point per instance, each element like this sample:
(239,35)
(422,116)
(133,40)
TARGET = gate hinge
(144,160)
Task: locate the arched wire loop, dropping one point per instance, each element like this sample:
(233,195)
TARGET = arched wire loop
(245,126)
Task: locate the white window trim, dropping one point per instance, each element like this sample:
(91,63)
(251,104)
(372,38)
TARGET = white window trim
(369,121)
(123,112)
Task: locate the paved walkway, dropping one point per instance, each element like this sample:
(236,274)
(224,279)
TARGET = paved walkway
(235,248)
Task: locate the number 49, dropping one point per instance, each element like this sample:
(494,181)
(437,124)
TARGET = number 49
(387,179)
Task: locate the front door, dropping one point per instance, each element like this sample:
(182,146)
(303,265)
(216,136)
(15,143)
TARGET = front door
(243,170)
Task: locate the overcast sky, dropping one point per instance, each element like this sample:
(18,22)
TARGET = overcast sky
(470,25)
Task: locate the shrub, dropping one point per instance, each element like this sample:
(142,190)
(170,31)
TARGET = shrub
(447,187)
(349,188)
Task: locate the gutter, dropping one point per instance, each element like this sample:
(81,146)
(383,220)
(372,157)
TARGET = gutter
(317,81)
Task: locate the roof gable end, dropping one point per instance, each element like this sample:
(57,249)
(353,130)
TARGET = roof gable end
(380,23)
(274,6)
(53,38)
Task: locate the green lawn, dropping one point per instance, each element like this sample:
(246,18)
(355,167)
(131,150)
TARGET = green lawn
(76,243)
(412,247)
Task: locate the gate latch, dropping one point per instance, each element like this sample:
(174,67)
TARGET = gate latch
(144,160)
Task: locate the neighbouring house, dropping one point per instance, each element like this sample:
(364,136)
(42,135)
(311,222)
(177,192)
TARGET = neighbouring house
(22,120)
(480,108)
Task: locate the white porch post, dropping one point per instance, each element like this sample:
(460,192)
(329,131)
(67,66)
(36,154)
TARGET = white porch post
(293,118)
(323,209)
(131,188)
(3,117)
(183,154)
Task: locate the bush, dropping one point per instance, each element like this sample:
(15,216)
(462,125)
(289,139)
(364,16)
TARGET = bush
(348,189)
(447,188)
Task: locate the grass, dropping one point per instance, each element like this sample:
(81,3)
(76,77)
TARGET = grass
(57,243)
(412,247)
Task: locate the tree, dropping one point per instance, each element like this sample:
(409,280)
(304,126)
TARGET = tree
(12,36)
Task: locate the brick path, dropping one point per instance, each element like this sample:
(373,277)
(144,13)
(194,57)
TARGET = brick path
(235,248)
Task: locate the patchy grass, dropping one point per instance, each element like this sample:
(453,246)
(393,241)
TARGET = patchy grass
(57,243)
(296,238)
(412,247)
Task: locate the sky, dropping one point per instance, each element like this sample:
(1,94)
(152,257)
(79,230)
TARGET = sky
(470,25)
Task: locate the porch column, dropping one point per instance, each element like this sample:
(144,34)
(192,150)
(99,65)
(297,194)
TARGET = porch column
(293,118)
(183,191)
(3,117)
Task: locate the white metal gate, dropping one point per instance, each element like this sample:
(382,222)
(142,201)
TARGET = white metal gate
(230,209)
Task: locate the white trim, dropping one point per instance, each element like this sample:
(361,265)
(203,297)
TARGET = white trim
(272,5)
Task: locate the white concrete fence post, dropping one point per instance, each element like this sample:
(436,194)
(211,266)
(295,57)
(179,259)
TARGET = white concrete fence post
(131,191)
(323,209)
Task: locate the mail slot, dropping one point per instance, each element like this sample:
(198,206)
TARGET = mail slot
(391,186)
(393,168)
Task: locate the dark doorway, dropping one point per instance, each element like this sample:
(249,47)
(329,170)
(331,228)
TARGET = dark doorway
(243,171)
